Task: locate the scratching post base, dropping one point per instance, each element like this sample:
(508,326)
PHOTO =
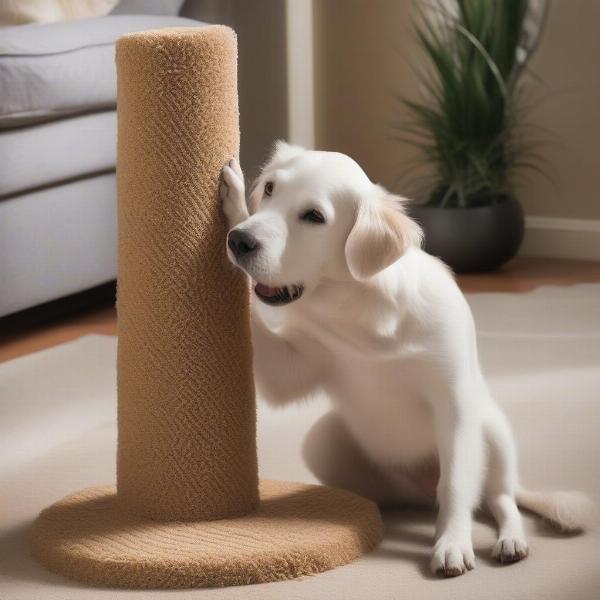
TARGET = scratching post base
(298,529)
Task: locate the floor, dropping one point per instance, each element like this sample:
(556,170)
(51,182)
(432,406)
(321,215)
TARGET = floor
(547,381)
(20,336)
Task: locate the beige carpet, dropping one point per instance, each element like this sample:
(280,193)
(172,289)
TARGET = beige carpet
(541,352)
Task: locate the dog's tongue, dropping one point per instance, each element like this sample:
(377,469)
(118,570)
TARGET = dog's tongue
(265,290)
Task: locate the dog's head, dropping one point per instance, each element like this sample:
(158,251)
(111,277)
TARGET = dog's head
(317,215)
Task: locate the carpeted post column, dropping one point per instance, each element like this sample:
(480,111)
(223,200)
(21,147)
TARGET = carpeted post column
(188,510)
(187,440)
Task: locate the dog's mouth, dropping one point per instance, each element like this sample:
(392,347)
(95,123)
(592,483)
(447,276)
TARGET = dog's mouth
(278,296)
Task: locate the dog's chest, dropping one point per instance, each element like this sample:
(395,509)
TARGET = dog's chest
(384,411)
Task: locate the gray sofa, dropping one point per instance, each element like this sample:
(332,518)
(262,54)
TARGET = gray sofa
(58,152)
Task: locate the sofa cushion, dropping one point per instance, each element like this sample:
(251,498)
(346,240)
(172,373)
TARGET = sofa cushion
(57,69)
(147,7)
(34,11)
(46,153)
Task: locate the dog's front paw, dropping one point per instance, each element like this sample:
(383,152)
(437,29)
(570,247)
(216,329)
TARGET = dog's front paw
(510,549)
(452,559)
(233,193)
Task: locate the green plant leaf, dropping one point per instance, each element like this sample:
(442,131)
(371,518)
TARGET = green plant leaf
(464,126)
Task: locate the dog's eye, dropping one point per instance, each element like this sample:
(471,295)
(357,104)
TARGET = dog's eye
(312,216)
(268,188)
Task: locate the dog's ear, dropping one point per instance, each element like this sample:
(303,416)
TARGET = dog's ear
(382,232)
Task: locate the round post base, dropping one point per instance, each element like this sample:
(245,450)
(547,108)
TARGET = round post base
(298,529)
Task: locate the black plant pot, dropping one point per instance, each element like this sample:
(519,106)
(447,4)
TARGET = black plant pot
(472,239)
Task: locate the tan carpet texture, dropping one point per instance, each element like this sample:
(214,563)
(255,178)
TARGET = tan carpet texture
(179,298)
(187,510)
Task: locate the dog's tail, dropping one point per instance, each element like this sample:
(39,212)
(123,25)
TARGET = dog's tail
(567,511)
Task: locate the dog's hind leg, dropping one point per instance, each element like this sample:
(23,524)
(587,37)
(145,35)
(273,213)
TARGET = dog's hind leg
(501,486)
(335,459)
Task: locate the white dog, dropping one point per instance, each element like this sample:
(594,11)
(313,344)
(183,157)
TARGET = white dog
(384,330)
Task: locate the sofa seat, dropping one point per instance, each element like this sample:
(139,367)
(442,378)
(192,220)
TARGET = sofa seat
(56,69)
(48,153)
(57,241)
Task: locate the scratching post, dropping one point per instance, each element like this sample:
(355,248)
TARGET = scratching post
(188,510)
(186,395)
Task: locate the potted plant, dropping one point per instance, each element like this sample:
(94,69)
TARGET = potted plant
(465,126)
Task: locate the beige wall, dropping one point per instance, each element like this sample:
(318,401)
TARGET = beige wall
(361,50)
(567,62)
(360,63)
(262,77)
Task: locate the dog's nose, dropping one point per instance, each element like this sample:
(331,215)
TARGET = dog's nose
(242,243)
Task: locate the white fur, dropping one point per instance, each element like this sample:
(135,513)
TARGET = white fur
(384,330)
